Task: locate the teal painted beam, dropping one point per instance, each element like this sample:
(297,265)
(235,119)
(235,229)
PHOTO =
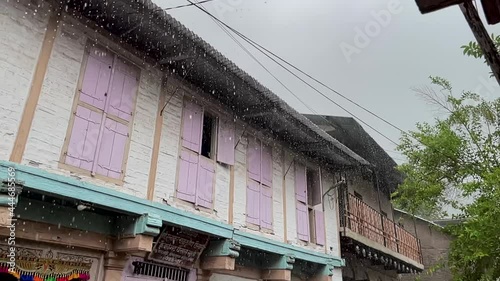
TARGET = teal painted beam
(45,182)
(222,248)
(131,226)
(271,246)
(279,262)
(38,211)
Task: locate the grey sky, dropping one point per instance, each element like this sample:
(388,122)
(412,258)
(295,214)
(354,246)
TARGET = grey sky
(309,34)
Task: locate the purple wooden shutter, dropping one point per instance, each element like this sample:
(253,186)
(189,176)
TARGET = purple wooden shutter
(123,90)
(253,202)
(192,126)
(112,149)
(188,172)
(96,77)
(205,186)
(267,165)
(319,227)
(302,221)
(225,143)
(254,158)
(83,139)
(300,183)
(266,207)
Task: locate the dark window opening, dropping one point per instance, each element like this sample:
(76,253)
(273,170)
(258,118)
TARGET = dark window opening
(207,136)
(313,187)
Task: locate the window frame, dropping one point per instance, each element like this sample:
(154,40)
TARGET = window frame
(253,226)
(213,159)
(312,208)
(77,102)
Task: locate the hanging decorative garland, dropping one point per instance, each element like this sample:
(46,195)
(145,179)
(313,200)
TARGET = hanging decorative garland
(37,269)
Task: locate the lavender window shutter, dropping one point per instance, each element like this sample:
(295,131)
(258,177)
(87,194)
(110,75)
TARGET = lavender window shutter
(83,139)
(123,90)
(225,143)
(319,229)
(112,149)
(267,165)
(192,126)
(96,77)
(266,207)
(188,172)
(300,183)
(205,185)
(302,221)
(253,202)
(254,159)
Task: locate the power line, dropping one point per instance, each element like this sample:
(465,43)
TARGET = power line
(186,5)
(255,59)
(284,67)
(260,48)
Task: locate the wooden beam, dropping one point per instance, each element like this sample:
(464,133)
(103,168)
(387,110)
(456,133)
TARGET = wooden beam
(491,10)
(230,218)
(36,87)
(429,6)
(156,143)
(482,37)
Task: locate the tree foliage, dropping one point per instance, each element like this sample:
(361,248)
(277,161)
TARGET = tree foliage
(459,152)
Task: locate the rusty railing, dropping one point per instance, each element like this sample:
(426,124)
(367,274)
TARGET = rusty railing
(362,219)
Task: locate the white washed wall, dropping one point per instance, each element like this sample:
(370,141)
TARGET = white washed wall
(240,189)
(22,29)
(168,159)
(331,215)
(53,114)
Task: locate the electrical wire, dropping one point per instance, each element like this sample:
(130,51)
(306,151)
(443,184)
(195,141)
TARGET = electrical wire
(186,5)
(284,67)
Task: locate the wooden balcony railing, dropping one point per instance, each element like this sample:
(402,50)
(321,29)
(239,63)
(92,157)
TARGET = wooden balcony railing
(362,219)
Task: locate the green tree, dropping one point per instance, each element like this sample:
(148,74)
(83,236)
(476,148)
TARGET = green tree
(458,153)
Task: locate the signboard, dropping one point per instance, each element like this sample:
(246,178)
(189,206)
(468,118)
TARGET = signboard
(178,247)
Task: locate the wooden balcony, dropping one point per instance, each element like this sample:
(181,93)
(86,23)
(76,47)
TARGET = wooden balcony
(384,237)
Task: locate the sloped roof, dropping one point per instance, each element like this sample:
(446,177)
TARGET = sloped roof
(349,132)
(148,28)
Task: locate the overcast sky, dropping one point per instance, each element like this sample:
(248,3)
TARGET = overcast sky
(319,36)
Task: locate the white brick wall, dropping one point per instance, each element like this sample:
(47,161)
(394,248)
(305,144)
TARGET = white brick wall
(331,215)
(53,114)
(169,157)
(21,35)
(46,139)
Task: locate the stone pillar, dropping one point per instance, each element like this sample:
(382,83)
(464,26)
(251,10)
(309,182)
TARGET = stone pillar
(220,255)
(279,268)
(324,274)
(202,275)
(114,264)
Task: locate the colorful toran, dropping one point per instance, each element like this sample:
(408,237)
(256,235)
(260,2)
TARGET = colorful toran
(46,270)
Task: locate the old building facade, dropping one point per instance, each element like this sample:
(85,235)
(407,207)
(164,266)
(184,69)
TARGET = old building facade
(373,243)
(132,150)
(138,163)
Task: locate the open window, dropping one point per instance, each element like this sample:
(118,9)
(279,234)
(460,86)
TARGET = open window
(310,216)
(208,136)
